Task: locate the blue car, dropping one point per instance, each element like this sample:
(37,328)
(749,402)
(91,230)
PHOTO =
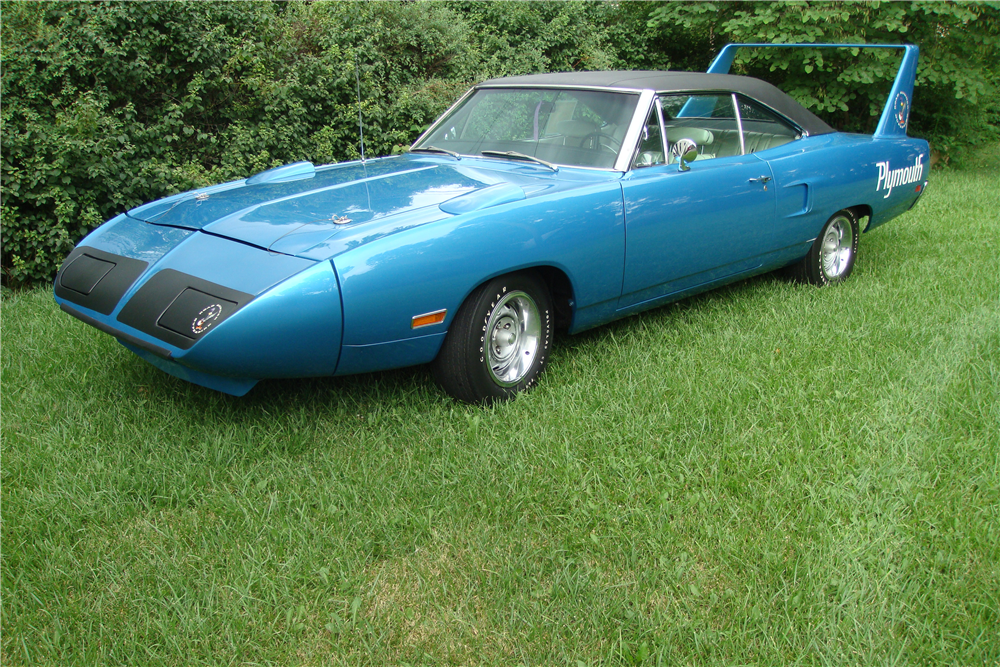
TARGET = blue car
(535,204)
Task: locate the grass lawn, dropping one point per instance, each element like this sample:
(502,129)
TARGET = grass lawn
(766,474)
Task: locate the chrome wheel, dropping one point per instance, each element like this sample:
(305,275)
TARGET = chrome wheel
(832,255)
(513,334)
(837,247)
(499,341)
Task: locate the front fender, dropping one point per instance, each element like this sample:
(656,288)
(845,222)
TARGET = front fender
(433,267)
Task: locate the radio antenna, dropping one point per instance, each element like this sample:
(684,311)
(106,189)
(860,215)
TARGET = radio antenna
(361,127)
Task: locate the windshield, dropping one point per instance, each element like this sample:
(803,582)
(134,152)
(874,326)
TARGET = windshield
(579,128)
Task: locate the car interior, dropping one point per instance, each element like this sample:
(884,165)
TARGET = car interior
(710,123)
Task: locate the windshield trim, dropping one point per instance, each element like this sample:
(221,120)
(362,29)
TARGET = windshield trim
(624,161)
(562,86)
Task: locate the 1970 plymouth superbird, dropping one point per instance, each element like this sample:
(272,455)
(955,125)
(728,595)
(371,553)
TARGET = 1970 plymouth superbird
(534,203)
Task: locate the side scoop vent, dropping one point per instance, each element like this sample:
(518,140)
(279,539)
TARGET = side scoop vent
(494,195)
(288,172)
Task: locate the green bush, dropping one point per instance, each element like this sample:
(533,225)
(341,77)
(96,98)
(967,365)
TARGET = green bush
(107,105)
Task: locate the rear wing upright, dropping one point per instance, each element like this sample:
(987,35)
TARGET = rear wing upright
(896,113)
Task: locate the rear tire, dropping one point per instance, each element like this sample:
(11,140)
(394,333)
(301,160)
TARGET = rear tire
(498,344)
(831,258)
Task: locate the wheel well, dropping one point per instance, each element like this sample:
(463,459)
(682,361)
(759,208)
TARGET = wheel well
(561,291)
(862,211)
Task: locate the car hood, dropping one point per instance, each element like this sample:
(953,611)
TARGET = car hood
(294,208)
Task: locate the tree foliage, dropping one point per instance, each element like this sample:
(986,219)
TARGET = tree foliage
(108,105)
(956,96)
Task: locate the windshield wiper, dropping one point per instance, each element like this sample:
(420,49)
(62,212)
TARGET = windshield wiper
(435,149)
(520,156)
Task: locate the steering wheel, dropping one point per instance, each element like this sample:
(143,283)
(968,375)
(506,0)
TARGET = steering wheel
(596,141)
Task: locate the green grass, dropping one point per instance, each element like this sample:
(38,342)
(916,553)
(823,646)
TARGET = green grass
(765,474)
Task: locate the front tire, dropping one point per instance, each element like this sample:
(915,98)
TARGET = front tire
(831,258)
(498,344)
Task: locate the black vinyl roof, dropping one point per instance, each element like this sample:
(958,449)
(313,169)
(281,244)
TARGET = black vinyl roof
(666,82)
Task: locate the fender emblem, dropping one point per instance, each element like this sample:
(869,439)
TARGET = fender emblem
(206,318)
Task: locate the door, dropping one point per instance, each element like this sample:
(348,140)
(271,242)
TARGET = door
(689,228)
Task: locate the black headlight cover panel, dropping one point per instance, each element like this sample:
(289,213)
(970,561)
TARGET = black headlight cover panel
(179,308)
(194,312)
(83,274)
(96,279)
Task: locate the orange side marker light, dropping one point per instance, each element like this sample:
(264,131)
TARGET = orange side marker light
(427,319)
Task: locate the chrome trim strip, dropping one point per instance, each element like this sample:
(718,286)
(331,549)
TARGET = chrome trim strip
(739,123)
(664,144)
(631,141)
(564,86)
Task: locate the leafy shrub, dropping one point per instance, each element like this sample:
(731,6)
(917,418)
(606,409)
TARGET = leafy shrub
(109,105)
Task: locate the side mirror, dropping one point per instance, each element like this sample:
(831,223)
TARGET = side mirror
(684,150)
(690,156)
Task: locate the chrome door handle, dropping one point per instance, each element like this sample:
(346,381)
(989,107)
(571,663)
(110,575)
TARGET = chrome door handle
(762,179)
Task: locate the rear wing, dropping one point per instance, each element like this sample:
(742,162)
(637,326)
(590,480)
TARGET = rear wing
(896,113)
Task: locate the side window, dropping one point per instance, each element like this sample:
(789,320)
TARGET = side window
(762,128)
(707,120)
(650,151)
